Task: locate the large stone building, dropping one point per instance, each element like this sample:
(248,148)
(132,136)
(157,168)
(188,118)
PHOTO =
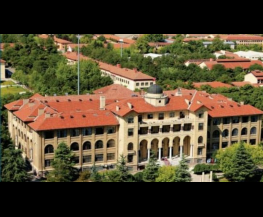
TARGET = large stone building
(113,121)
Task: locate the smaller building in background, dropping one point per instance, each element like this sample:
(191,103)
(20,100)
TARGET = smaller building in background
(214,84)
(228,54)
(255,77)
(252,55)
(2,68)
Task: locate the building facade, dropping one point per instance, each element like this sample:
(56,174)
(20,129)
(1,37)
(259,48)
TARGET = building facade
(2,69)
(99,128)
(255,77)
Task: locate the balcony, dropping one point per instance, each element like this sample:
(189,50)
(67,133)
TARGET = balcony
(170,121)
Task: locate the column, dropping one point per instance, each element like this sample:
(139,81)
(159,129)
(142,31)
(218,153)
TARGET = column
(192,151)
(170,153)
(149,130)
(181,151)
(149,154)
(160,154)
(161,129)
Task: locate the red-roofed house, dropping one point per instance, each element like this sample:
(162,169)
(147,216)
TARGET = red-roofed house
(231,63)
(255,77)
(99,128)
(2,69)
(244,39)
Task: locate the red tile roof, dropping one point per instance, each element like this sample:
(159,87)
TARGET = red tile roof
(61,41)
(243,38)
(197,39)
(258,74)
(233,63)
(125,40)
(125,73)
(74,56)
(214,84)
(43,36)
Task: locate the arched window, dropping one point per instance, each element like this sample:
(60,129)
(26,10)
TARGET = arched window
(200,140)
(99,144)
(253,131)
(111,144)
(87,146)
(49,149)
(130,147)
(216,134)
(235,132)
(74,146)
(244,132)
(208,135)
(225,133)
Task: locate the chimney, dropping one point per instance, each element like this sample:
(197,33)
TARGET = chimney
(130,105)
(66,94)
(230,99)
(135,69)
(46,95)
(179,92)
(25,101)
(47,115)
(40,112)
(102,103)
(117,108)
(242,103)
(211,60)
(119,65)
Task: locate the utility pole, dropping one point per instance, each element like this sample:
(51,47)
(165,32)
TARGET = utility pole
(78,66)
(121,41)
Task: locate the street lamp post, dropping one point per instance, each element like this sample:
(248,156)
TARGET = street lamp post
(78,66)
(121,41)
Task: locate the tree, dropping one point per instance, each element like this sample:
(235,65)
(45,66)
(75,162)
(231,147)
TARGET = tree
(182,173)
(151,171)
(122,169)
(166,174)
(142,45)
(13,166)
(95,176)
(63,165)
(153,37)
(243,165)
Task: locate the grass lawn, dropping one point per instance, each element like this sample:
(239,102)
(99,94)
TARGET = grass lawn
(12,90)
(7,83)
(223,180)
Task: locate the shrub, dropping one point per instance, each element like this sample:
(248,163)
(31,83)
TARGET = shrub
(215,179)
(206,168)
(138,177)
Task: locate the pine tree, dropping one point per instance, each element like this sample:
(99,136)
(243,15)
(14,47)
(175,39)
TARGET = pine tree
(63,165)
(95,176)
(122,169)
(151,171)
(182,173)
(243,165)
(14,166)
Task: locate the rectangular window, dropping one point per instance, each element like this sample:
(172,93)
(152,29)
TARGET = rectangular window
(200,126)
(177,127)
(142,84)
(155,130)
(99,131)
(137,84)
(87,159)
(110,130)
(187,127)
(48,163)
(224,144)
(110,156)
(75,132)
(62,133)
(99,157)
(130,120)
(87,131)
(161,116)
(235,120)
(201,115)
(200,151)
(130,132)
(130,158)
(226,120)
(49,134)
(254,118)
(76,160)
(150,116)
(172,115)
(216,121)
(253,142)
(151,83)
(245,119)
(146,84)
